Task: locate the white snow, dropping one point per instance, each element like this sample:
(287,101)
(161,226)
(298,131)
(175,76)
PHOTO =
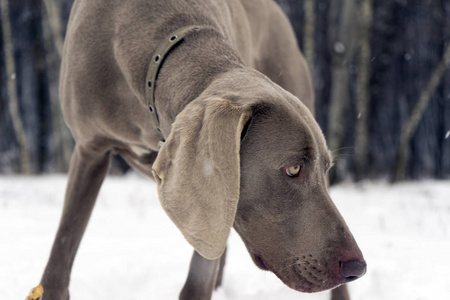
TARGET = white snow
(131,250)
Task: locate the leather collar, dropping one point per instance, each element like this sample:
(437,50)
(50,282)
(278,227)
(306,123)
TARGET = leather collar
(156,62)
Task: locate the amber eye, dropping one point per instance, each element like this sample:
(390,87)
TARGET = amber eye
(293,171)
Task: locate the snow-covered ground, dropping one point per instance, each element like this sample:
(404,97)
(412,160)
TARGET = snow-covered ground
(131,250)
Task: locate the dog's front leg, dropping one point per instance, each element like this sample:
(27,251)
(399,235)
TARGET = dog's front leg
(201,278)
(86,173)
(219,278)
(340,293)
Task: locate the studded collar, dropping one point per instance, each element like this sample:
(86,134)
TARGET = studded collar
(156,62)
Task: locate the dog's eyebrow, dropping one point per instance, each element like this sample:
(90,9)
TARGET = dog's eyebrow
(307,153)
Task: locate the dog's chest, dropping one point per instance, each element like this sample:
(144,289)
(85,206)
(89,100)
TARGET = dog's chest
(140,151)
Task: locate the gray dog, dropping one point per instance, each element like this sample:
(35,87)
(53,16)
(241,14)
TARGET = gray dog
(203,96)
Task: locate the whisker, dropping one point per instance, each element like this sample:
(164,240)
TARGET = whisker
(286,267)
(343,148)
(343,157)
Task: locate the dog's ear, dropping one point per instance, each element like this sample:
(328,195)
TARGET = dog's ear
(198,172)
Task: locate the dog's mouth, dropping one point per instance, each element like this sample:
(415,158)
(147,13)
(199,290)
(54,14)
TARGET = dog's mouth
(304,274)
(260,262)
(307,274)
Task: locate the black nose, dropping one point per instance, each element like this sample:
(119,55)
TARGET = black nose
(352,269)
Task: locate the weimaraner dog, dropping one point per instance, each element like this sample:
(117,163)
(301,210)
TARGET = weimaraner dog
(212,99)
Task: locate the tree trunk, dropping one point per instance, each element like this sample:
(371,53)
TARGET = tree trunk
(62,143)
(309,32)
(411,125)
(54,21)
(12,90)
(363,93)
(342,31)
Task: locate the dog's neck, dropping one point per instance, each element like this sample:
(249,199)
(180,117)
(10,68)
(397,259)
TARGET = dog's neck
(189,69)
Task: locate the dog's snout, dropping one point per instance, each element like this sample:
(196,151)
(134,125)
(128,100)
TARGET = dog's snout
(352,269)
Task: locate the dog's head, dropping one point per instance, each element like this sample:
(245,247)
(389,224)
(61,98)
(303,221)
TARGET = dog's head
(248,154)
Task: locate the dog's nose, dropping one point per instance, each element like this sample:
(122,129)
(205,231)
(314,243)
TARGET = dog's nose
(352,269)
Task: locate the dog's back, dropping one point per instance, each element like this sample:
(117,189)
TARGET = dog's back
(109,46)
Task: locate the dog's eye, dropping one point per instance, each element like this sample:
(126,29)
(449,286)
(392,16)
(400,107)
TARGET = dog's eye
(293,171)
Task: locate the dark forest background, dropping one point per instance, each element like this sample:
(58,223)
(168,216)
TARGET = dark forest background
(381,73)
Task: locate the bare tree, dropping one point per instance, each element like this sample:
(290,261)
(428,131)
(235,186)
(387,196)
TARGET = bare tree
(13,102)
(62,143)
(54,21)
(410,126)
(342,42)
(363,93)
(309,32)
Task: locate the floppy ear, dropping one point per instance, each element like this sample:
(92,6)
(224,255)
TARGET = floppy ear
(198,172)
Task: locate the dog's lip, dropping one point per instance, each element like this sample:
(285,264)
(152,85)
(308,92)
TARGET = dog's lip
(296,282)
(260,262)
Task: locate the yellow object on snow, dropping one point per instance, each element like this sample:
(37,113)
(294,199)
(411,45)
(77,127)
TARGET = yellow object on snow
(36,293)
